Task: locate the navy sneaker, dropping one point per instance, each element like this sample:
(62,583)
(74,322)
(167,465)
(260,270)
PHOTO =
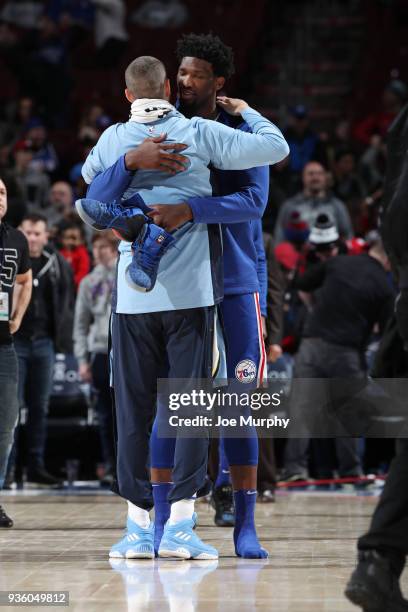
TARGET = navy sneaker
(148,250)
(126,221)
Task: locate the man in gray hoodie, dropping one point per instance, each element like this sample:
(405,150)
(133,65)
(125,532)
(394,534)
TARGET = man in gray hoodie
(313,200)
(91,328)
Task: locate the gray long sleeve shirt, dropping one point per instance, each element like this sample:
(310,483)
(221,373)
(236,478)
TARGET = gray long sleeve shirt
(92,312)
(310,208)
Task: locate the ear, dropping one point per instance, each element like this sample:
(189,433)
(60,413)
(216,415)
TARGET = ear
(167,89)
(219,83)
(129,96)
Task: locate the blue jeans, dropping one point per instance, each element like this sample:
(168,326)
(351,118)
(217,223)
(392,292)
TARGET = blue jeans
(8,404)
(35,371)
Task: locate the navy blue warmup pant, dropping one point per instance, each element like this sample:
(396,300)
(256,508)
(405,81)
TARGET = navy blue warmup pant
(142,346)
(246,366)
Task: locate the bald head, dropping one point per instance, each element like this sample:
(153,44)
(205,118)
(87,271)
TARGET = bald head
(146,78)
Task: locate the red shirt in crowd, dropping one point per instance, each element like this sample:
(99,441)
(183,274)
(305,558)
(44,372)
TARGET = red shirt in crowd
(80,262)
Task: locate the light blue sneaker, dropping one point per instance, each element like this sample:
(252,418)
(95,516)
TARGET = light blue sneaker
(180,541)
(137,543)
(148,249)
(158,532)
(126,220)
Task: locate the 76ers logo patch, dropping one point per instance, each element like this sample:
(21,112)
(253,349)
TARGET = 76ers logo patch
(245,371)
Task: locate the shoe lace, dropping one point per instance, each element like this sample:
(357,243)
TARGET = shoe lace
(114,210)
(146,257)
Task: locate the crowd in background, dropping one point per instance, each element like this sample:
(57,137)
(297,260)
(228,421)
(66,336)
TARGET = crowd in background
(334,177)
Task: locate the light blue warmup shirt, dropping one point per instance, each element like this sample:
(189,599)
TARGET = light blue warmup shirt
(187,271)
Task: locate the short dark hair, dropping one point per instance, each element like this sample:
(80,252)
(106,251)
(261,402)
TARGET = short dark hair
(209,48)
(35,218)
(71,222)
(145,77)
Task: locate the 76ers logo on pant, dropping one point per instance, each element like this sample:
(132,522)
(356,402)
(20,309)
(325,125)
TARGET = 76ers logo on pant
(245,371)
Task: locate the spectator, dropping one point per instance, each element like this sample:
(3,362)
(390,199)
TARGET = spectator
(110,31)
(72,240)
(46,328)
(340,140)
(44,155)
(393,99)
(313,200)
(94,121)
(72,14)
(17,119)
(304,144)
(373,163)
(60,204)
(354,295)
(24,14)
(159,14)
(347,185)
(16,205)
(276,284)
(276,288)
(282,184)
(34,184)
(92,312)
(15,271)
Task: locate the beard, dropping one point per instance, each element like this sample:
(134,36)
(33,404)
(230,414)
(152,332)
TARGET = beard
(188,108)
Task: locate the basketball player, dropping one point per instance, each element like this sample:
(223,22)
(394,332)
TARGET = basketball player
(177,316)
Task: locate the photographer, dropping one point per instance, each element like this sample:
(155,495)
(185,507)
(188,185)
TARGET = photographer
(353,295)
(14,270)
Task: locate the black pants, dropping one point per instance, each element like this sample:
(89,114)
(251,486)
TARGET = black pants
(103,405)
(141,345)
(267,465)
(388,532)
(320,359)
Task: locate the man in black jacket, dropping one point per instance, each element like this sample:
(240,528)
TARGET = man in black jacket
(46,329)
(353,295)
(14,270)
(374,585)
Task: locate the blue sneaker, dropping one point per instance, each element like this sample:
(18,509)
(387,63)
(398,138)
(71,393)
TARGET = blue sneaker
(149,248)
(126,221)
(137,543)
(180,541)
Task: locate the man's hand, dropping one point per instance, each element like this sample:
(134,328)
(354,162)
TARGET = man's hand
(151,154)
(85,373)
(274,352)
(170,216)
(233,106)
(14,324)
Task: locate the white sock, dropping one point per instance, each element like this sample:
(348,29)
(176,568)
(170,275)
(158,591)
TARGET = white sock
(181,510)
(138,515)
